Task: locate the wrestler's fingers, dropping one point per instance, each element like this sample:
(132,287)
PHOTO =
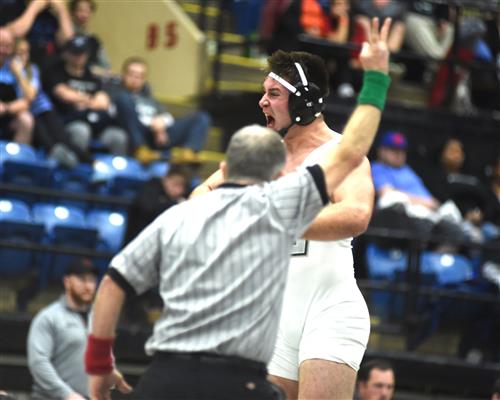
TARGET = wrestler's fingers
(384,32)
(374,35)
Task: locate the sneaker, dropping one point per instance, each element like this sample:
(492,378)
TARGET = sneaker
(64,156)
(184,155)
(146,155)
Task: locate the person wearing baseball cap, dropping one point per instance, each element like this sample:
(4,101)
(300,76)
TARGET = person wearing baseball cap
(394,140)
(391,173)
(81,102)
(403,200)
(79,44)
(58,334)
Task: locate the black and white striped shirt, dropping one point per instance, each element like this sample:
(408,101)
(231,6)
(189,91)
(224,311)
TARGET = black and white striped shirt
(221,261)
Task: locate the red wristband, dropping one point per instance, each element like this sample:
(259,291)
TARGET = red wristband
(99,358)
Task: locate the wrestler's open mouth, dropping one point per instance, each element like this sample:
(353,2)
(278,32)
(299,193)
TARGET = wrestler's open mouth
(269,121)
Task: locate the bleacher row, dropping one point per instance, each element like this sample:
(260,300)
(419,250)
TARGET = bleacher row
(436,269)
(54,219)
(108,175)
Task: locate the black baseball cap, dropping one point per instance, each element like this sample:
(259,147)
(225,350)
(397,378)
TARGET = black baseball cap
(81,266)
(79,44)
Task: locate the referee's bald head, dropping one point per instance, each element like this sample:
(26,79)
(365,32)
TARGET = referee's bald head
(255,153)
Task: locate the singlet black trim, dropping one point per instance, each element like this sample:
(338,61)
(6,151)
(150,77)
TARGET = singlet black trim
(319,179)
(231,185)
(121,281)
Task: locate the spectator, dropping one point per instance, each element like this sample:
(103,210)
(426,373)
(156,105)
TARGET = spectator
(16,122)
(46,24)
(376,380)
(493,214)
(404,202)
(81,102)
(283,32)
(491,256)
(49,131)
(333,24)
(339,20)
(496,390)
(81,13)
(452,82)
(429,28)
(447,180)
(365,10)
(429,33)
(57,337)
(313,18)
(328,20)
(156,196)
(150,128)
(485,82)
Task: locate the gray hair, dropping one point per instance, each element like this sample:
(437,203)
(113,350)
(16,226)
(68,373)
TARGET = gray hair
(255,153)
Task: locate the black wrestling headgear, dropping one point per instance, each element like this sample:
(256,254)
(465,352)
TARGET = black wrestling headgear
(306,102)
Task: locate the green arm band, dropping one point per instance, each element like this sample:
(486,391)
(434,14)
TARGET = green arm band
(374,90)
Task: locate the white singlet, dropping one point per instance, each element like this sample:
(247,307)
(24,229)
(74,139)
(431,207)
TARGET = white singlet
(324,314)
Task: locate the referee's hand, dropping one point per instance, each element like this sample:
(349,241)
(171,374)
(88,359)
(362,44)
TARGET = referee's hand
(100,385)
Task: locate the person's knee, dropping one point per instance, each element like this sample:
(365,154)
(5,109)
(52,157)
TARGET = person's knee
(124,101)
(116,140)
(79,134)
(25,120)
(23,125)
(203,118)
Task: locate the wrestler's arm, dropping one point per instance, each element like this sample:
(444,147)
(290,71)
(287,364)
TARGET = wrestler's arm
(351,211)
(363,123)
(209,184)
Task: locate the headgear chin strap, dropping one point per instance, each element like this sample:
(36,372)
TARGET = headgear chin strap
(306,102)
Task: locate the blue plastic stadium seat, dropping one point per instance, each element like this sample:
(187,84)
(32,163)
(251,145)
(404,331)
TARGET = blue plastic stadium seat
(64,226)
(119,176)
(20,164)
(16,226)
(448,269)
(157,169)
(383,263)
(111,228)
(76,180)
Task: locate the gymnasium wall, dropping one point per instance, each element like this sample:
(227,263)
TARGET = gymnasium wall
(161,33)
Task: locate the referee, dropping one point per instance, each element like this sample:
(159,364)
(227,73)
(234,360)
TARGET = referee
(221,260)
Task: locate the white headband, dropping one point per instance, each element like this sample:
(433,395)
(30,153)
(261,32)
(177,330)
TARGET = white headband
(286,84)
(301,74)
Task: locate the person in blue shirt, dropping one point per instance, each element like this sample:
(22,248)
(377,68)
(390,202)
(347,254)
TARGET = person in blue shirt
(403,200)
(48,130)
(16,122)
(391,173)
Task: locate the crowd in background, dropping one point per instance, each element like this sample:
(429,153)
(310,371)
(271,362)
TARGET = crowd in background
(453,51)
(58,94)
(424,34)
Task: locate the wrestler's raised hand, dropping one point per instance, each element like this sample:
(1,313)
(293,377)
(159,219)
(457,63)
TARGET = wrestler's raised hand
(375,53)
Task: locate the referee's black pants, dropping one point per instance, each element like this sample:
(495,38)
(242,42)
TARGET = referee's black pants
(205,376)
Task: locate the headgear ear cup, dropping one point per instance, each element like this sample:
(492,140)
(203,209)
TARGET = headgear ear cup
(306,104)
